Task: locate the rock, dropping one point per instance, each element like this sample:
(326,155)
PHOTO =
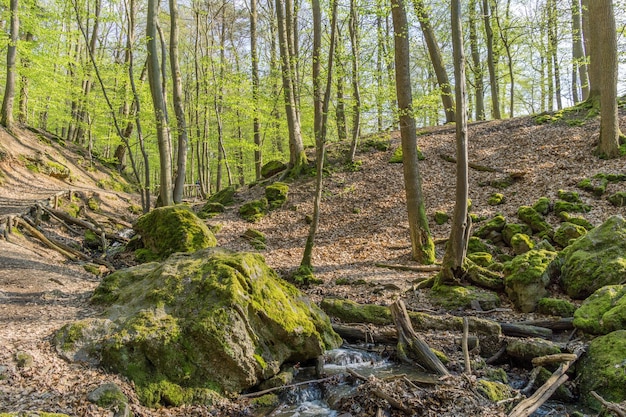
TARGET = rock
(511,229)
(167,230)
(441,217)
(594,260)
(254,210)
(256,238)
(272,168)
(542,206)
(528,348)
(225,196)
(494,225)
(276,194)
(198,324)
(483,259)
(556,307)
(24,359)
(211,210)
(496,199)
(618,199)
(603,369)
(521,243)
(535,220)
(111,397)
(569,196)
(493,390)
(352,312)
(580,221)
(567,232)
(560,206)
(525,278)
(455,297)
(603,312)
(476,244)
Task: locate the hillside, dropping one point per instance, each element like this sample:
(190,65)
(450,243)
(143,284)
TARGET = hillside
(363,222)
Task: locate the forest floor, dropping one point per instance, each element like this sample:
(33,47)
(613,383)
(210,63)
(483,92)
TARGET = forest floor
(363,223)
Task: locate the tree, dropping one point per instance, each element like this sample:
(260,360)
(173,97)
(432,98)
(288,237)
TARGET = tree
(477,69)
(579,67)
(177,93)
(423,248)
(436,59)
(492,59)
(355,39)
(452,265)
(9,89)
(156,91)
(256,125)
(603,66)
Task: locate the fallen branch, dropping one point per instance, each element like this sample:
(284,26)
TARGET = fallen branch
(615,408)
(524,330)
(466,356)
(421,268)
(297,384)
(84,224)
(38,235)
(552,359)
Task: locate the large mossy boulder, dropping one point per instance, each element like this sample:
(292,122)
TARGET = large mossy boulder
(603,369)
(526,278)
(603,312)
(198,324)
(276,194)
(225,196)
(594,260)
(172,229)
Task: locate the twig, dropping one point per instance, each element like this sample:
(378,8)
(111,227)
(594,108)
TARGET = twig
(421,268)
(468,366)
(615,408)
(493,359)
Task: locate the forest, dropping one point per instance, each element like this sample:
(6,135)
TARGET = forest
(291,208)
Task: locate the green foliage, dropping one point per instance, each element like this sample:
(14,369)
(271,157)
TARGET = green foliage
(397,156)
(618,199)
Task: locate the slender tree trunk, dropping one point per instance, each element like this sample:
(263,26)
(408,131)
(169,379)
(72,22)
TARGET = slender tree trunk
(477,68)
(423,249)
(553,46)
(275,73)
(604,67)
(156,90)
(491,62)
(380,60)
(452,265)
(340,107)
(179,111)
(9,88)
(578,52)
(593,98)
(356,91)
(256,124)
(436,59)
(22,116)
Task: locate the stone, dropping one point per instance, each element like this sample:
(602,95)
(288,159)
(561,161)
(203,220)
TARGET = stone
(225,196)
(560,206)
(483,259)
(618,199)
(521,243)
(528,348)
(567,232)
(542,205)
(110,396)
(535,220)
(495,199)
(556,307)
(603,312)
(272,168)
(496,224)
(197,326)
(594,260)
(452,297)
(276,194)
(511,229)
(603,369)
(526,278)
(569,196)
(167,230)
(254,210)
(441,217)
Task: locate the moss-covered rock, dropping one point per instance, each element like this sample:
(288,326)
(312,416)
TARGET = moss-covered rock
(494,391)
(254,210)
(225,196)
(594,260)
(577,220)
(567,232)
(110,396)
(604,311)
(483,259)
(441,217)
(397,157)
(352,312)
(211,209)
(276,194)
(256,238)
(171,229)
(525,278)
(91,240)
(272,168)
(603,369)
(542,205)
(209,321)
(476,244)
(569,196)
(496,225)
(511,229)
(528,348)
(560,206)
(596,185)
(537,223)
(452,297)
(521,243)
(556,307)
(495,199)
(618,199)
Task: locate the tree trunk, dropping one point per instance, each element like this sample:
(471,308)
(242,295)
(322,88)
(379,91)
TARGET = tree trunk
(477,68)
(179,111)
(423,249)
(578,52)
(452,265)
(436,59)
(604,65)
(593,98)
(156,90)
(9,88)
(553,46)
(491,62)
(256,124)
(22,116)
(355,40)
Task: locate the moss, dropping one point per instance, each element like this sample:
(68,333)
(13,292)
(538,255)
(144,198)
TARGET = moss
(496,199)
(135,209)
(91,239)
(379,143)
(531,217)
(397,157)
(93,269)
(596,185)
(496,224)
(603,369)
(441,217)
(511,229)
(350,312)
(254,210)
(618,199)
(167,230)
(272,168)
(276,194)
(454,297)
(556,307)
(225,196)
(527,349)
(580,221)
(115,184)
(441,356)
(521,243)
(211,209)
(94,204)
(525,278)
(569,196)
(604,311)
(542,205)
(24,359)
(561,205)
(493,390)
(256,238)
(483,259)
(267,400)
(109,396)
(567,232)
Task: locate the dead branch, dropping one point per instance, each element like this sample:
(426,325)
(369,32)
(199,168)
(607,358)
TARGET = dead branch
(524,330)
(421,268)
(551,359)
(84,224)
(297,384)
(615,408)
(38,235)
(466,356)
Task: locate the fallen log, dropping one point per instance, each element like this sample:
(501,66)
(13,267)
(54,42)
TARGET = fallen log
(566,323)
(524,330)
(38,235)
(421,268)
(410,343)
(370,334)
(86,225)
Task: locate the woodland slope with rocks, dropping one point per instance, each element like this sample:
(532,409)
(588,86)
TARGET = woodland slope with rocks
(98,313)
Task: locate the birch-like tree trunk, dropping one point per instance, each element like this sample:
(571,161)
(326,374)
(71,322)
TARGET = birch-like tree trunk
(9,87)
